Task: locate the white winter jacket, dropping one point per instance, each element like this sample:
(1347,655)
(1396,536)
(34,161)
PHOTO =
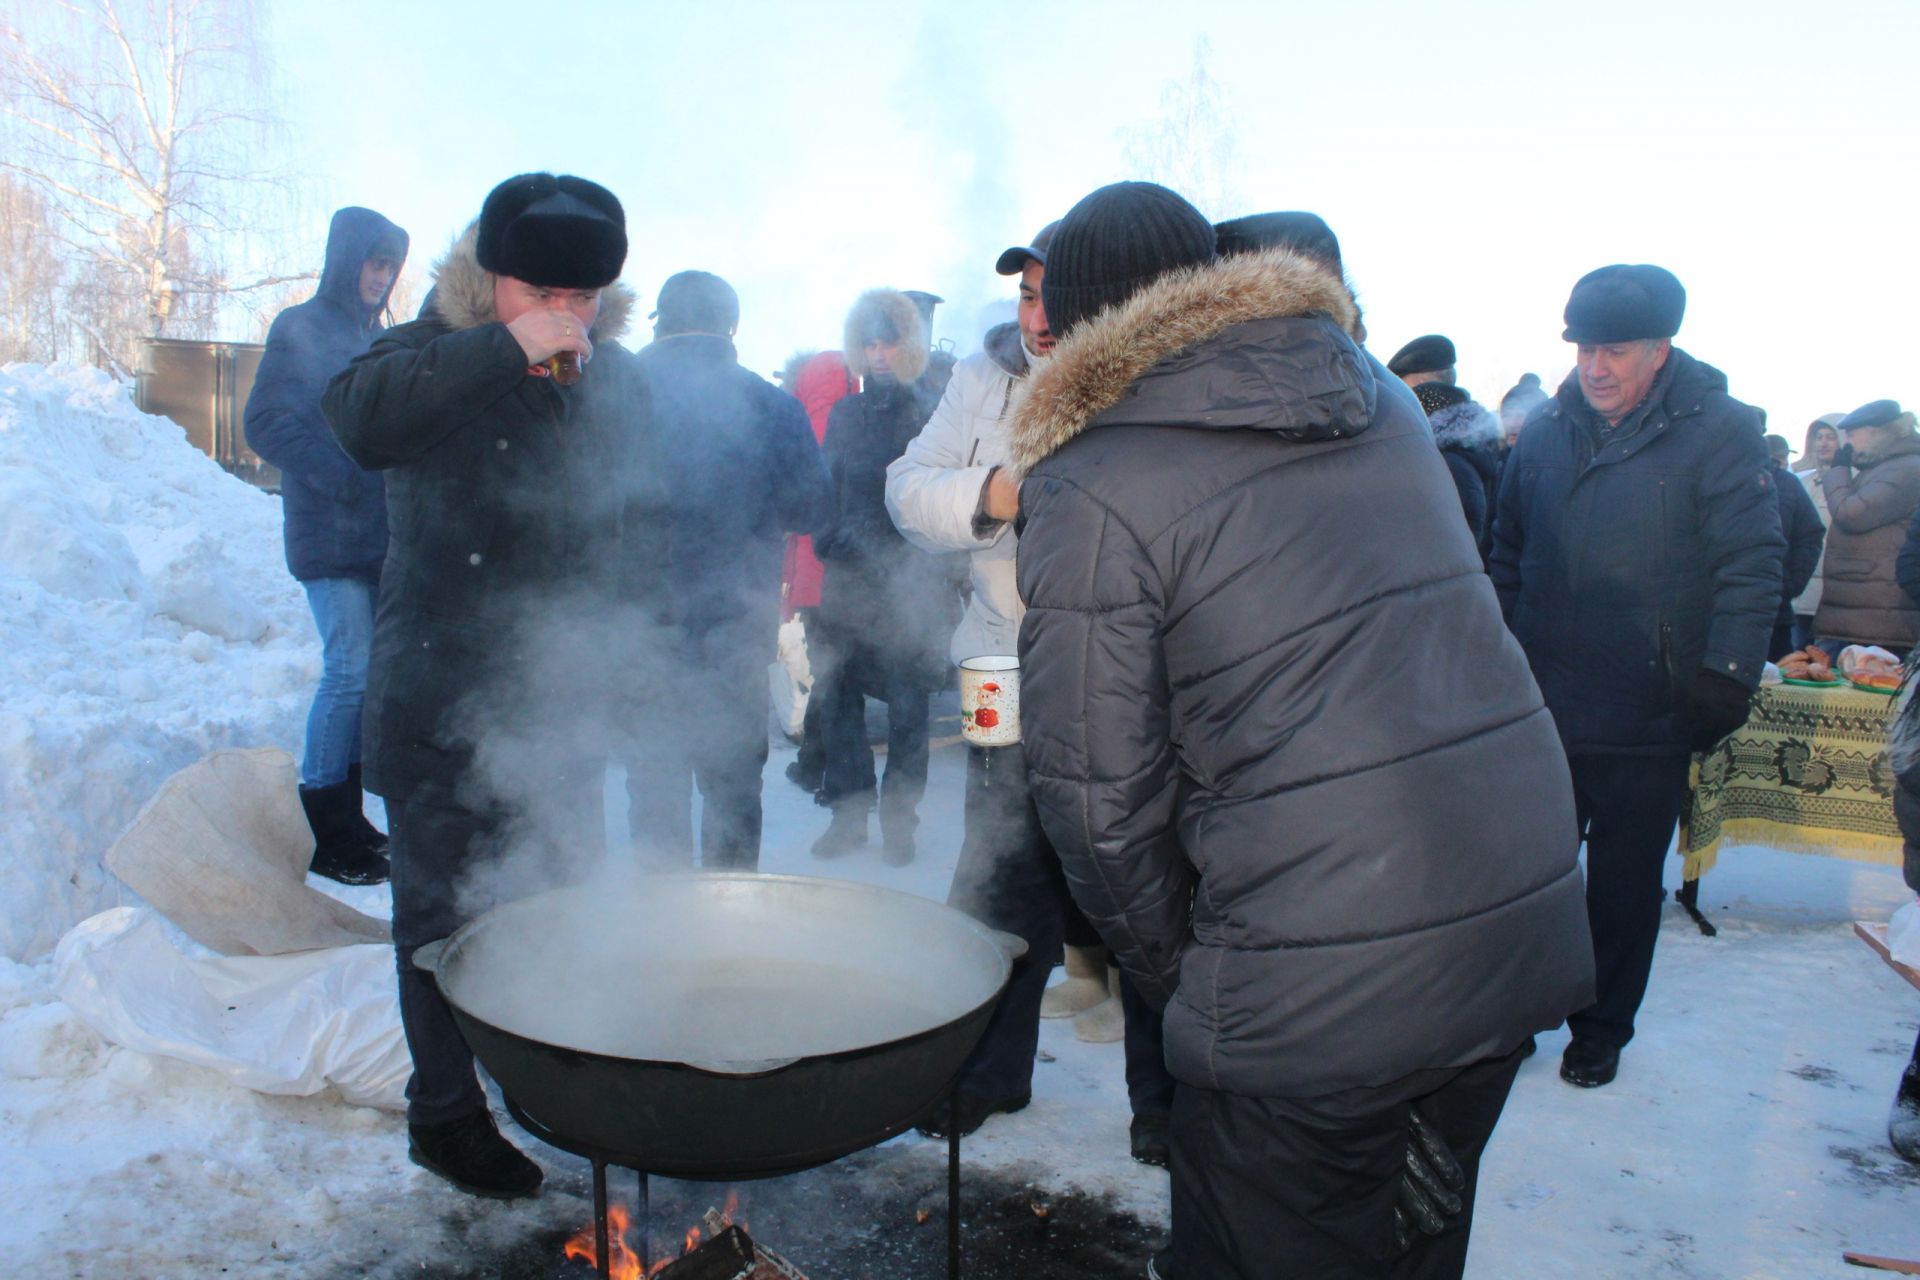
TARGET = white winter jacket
(1808,601)
(934,488)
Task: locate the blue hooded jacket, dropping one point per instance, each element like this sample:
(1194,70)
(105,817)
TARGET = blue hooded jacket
(336,513)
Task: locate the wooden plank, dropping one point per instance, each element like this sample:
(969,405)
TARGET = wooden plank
(1875,936)
(1903,1266)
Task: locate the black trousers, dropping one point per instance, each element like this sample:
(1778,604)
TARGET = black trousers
(453,861)
(716,740)
(1010,878)
(1265,1188)
(1627,808)
(857,670)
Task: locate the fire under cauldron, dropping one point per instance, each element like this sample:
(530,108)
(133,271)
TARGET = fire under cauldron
(722,1025)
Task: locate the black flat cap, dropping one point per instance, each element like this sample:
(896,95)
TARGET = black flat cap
(1878,413)
(1306,233)
(560,232)
(1428,354)
(1625,303)
(1013,261)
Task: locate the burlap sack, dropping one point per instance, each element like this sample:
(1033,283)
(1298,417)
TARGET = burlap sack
(222,851)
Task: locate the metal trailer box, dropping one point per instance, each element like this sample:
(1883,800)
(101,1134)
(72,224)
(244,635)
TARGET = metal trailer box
(204,386)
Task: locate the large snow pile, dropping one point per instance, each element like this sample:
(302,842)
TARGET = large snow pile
(149,619)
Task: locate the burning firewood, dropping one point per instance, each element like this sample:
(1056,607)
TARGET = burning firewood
(768,1265)
(726,1254)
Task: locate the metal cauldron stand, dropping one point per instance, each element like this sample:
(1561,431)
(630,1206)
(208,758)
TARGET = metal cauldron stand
(601,1158)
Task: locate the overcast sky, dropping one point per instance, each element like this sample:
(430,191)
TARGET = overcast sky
(1474,158)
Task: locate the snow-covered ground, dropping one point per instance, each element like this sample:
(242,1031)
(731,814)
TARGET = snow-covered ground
(148,620)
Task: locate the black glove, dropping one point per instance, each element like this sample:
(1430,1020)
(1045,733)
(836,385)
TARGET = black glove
(1842,457)
(1430,1185)
(1716,706)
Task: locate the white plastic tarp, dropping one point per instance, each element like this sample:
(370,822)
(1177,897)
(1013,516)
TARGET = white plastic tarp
(285,1024)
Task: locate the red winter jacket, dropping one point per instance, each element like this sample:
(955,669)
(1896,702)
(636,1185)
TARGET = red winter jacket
(821,383)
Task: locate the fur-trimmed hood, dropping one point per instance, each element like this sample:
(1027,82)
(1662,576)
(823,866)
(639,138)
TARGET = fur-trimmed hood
(887,308)
(1004,347)
(1469,424)
(463,293)
(1165,356)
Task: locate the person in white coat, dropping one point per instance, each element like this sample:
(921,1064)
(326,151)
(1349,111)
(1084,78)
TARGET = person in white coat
(948,492)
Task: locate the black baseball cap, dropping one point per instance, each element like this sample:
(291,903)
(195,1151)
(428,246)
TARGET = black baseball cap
(1013,261)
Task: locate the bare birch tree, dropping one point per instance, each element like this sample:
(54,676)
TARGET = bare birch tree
(32,278)
(140,123)
(1192,145)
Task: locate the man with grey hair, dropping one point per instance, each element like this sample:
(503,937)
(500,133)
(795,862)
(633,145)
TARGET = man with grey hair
(1637,553)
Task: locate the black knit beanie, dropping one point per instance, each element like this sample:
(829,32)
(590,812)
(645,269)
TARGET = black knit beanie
(558,232)
(1113,243)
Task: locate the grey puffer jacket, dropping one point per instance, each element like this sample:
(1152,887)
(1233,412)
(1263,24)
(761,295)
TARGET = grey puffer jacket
(1293,762)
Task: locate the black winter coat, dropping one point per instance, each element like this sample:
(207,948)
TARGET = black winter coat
(880,591)
(1292,760)
(336,511)
(508,620)
(1468,435)
(740,470)
(1624,571)
(1805,535)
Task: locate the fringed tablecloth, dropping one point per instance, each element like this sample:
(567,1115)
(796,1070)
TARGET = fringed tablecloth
(1807,773)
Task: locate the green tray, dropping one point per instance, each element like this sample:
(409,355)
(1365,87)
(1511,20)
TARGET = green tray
(1867,688)
(1815,684)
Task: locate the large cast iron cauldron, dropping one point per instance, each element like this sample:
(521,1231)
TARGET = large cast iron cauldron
(722,1025)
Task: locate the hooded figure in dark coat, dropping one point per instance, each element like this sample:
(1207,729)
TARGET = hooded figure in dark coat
(1292,760)
(336,521)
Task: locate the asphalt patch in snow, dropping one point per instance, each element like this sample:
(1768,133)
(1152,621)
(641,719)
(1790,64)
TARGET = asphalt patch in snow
(875,1215)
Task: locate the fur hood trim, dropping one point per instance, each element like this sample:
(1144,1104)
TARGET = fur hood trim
(897,310)
(463,292)
(1091,369)
(1471,424)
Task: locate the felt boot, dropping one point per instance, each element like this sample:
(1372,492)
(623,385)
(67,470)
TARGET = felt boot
(1084,986)
(1106,1022)
(369,835)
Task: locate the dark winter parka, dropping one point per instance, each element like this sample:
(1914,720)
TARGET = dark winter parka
(879,590)
(1627,569)
(1468,435)
(1292,760)
(336,511)
(1805,536)
(1861,601)
(741,471)
(520,510)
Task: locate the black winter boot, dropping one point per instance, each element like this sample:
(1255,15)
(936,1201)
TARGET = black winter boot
(471,1154)
(338,853)
(847,831)
(369,835)
(1903,1123)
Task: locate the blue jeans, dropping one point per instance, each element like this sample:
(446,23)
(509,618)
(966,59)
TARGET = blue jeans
(343,611)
